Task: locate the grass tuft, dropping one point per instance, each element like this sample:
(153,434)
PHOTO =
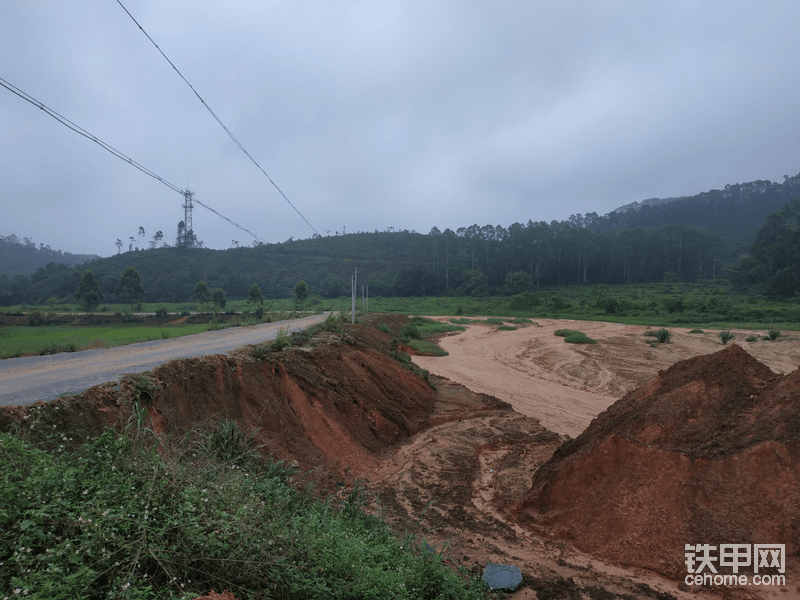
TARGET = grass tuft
(427,347)
(572,336)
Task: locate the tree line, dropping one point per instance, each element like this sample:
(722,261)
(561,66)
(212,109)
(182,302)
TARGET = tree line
(90,295)
(479,260)
(772,267)
(474,260)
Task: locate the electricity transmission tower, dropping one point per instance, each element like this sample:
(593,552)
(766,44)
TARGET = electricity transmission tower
(188,238)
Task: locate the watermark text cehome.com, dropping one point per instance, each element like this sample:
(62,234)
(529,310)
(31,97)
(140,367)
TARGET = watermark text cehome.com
(768,562)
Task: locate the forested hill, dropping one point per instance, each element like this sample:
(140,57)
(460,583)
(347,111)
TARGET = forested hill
(470,261)
(646,242)
(23,257)
(735,212)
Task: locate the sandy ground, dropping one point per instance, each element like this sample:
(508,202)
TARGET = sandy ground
(456,483)
(566,385)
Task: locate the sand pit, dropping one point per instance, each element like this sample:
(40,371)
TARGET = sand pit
(565,386)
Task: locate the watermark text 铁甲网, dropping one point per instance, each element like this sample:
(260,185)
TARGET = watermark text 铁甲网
(768,563)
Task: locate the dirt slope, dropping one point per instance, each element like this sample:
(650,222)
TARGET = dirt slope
(331,410)
(708,452)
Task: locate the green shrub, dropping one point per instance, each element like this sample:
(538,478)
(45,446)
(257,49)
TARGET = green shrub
(144,386)
(774,334)
(408,332)
(228,445)
(35,318)
(507,328)
(574,337)
(697,331)
(663,336)
(281,341)
(725,337)
(333,323)
(384,328)
(523,301)
(558,303)
(751,338)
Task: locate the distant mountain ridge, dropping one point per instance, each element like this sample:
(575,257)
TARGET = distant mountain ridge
(735,212)
(22,257)
(690,238)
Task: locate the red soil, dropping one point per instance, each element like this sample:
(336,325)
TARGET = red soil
(708,452)
(332,410)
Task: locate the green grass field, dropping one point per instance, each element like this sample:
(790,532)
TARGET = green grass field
(46,339)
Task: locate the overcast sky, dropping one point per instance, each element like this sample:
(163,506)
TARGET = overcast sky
(375,114)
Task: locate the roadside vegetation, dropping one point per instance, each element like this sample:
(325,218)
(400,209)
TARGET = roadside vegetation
(709,305)
(416,332)
(52,333)
(137,515)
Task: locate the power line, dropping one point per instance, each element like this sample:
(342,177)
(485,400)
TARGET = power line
(218,120)
(81,131)
(109,148)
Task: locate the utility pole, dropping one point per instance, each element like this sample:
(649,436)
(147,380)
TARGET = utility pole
(354,284)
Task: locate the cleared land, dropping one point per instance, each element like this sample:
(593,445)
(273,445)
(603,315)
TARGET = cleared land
(566,385)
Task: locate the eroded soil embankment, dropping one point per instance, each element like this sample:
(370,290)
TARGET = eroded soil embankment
(332,410)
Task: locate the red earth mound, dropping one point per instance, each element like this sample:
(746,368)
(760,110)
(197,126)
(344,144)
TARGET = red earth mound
(707,453)
(331,410)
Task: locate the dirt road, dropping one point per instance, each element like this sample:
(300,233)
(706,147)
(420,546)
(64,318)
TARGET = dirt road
(566,385)
(28,379)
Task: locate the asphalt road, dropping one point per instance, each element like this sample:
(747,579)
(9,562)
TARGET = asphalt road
(31,378)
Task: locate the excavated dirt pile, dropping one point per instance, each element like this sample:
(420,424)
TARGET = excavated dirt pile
(331,410)
(707,453)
